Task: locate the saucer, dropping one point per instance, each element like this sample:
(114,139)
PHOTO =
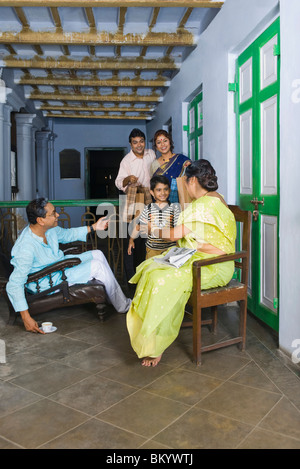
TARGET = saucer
(53,329)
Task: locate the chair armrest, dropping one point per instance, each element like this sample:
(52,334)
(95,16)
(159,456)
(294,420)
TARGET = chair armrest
(218,259)
(72,250)
(61,265)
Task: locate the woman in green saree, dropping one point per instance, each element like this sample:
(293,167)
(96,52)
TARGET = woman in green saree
(207,225)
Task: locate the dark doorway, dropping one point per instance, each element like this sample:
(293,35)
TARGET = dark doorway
(102,166)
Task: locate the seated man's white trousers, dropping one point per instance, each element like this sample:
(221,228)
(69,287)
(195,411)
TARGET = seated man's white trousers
(100,270)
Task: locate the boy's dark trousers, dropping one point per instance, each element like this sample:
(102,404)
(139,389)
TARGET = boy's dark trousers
(137,257)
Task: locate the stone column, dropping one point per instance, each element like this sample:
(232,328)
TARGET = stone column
(34,162)
(5,152)
(42,168)
(25,157)
(51,166)
(2,174)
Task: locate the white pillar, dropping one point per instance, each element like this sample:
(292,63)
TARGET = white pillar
(5,152)
(2,175)
(25,157)
(51,166)
(34,162)
(42,168)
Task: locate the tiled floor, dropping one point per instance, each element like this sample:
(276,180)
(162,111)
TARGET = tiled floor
(83,387)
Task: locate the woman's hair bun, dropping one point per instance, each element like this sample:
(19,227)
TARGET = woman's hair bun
(211,183)
(205,174)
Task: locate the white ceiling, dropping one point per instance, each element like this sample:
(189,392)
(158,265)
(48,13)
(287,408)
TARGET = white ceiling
(99,59)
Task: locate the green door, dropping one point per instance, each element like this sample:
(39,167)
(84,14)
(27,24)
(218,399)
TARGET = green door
(195,128)
(257,106)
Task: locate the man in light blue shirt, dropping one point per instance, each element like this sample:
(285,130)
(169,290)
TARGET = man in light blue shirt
(38,247)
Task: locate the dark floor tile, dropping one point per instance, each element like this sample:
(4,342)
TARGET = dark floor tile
(93,395)
(262,332)
(203,430)
(38,423)
(93,334)
(96,359)
(152,444)
(20,363)
(275,369)
(56,346)
(86,312)
(17,339)
(219,364)
(131,372)
(252,375)
(100,333)
(174,386)
(97,402)
(243,403)
(66,326)
(49,379)
(96,434)
(13,398)
(262,439)
(186,335)
(4,444)
(178,354)
(144,413)
(284,418)
(120,343)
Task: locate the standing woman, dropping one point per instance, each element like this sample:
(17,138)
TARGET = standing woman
(207,225)
(169,164)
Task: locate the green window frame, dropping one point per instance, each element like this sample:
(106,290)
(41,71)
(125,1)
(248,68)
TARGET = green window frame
(195,127)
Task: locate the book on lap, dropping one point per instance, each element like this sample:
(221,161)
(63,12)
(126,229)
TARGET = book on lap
(176,257)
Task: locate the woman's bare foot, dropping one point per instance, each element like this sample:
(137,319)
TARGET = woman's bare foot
(151,361)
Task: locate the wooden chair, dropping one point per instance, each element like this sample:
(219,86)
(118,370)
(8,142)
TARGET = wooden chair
(57,296)
(236,290)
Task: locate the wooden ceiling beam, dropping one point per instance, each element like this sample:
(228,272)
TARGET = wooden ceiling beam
(97,38)
(22,18)
(91,82)
(113,3)
(48,107)
(105,116)
(106,64)
(96,98)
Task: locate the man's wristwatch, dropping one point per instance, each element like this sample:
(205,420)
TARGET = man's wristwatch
(92,229)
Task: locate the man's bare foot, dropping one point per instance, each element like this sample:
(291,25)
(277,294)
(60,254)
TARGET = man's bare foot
(151,361)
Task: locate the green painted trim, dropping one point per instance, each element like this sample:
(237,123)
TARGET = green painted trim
(271,206)
(232,86)
(276,49)
(198,130)
(63,203)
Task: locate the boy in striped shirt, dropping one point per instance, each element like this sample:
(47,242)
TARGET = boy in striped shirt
(160,214)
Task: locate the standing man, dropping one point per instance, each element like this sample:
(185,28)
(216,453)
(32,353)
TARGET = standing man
(134,180)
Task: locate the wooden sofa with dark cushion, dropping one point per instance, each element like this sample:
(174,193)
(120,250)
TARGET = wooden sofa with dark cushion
(56,296)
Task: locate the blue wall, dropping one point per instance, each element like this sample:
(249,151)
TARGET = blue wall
(80,134)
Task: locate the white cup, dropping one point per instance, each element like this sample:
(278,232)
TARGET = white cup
(47,326)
